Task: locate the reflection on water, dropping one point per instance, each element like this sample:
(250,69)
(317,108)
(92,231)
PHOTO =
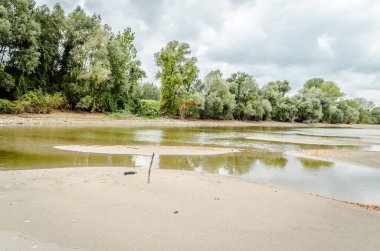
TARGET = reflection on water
(310,163)
(32,147)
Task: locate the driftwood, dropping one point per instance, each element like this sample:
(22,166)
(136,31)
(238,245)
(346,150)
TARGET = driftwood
(130,173)
(150,167)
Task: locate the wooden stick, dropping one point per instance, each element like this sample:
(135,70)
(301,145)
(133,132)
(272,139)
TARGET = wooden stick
(150,167)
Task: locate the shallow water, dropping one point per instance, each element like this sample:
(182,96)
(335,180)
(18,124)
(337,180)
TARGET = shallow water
(32,147)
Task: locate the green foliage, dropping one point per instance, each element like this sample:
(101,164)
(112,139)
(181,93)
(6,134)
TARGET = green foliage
(219,102)
(38,102)
(375,113)
(337,115)
(178,69)
(191,105)
(246,91)
(6,106)
(327,92)
(19,54)
(283,109)
(149,109)
(350,113)
(309,108)
(286,109)
(149,91)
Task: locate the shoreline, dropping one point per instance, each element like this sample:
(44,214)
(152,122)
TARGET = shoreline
(99,208)
(69,118)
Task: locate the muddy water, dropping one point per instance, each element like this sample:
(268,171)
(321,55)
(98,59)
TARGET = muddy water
(33,147)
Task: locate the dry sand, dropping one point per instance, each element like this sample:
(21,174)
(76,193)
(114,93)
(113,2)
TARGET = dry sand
(101,209)
(357,157)
(69,118)
(149,149)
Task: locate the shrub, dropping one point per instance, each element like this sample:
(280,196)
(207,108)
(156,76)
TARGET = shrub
(85,103)
(6,106)
(37,102)
(149,108)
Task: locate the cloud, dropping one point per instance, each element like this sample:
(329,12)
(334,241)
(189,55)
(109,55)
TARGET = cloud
(270,39)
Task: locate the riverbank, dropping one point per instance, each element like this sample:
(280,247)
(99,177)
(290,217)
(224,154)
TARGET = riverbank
(101,209)
(69,118)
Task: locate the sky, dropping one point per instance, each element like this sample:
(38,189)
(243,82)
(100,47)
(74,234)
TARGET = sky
(292,40)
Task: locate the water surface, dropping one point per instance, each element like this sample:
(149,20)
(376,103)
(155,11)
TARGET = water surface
(32,147)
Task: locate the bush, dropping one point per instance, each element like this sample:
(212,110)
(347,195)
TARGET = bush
(124,114)
(149,108)
(37,102)
(57,100)
(6,106)
(85,103)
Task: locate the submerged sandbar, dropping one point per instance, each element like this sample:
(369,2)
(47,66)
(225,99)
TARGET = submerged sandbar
(148,149)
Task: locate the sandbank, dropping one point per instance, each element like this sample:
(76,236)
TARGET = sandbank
(101,209)
(357,157)
(149,149)
(311,140)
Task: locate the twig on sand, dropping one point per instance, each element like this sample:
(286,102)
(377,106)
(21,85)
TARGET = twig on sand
(150,167)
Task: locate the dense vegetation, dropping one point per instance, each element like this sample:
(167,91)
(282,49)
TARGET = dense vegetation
(50,60)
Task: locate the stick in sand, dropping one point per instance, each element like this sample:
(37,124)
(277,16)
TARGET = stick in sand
(150,167)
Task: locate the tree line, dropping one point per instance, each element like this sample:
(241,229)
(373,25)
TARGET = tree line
(51,60)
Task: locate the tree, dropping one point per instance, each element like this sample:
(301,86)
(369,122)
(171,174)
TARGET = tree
(46,76)
(350,113)
(93,71)
(309,106)
(375,113)
(245,89)
(286,109)
(178,69)
(77,32)
(149,91)
(19,54)
(126,71)
(275,93)
(327,92)
(364,108)
(219,102)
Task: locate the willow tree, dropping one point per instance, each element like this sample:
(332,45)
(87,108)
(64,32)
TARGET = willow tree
(19,54)
(178,71)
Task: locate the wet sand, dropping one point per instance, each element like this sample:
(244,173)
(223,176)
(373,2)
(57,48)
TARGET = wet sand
(312,141)
(101,209)
(357,157)
(149,149)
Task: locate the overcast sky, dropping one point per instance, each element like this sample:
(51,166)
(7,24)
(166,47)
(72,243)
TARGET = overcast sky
(272,40)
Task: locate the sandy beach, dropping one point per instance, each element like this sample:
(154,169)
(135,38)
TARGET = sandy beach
(101,209)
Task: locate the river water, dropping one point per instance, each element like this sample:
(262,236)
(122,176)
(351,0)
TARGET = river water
(262,161)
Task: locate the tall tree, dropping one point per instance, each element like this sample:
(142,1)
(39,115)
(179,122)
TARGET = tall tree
(19,54)
(245,89)
(275,93)
(52,23)
(327,92)
(178,69)
(219,101)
